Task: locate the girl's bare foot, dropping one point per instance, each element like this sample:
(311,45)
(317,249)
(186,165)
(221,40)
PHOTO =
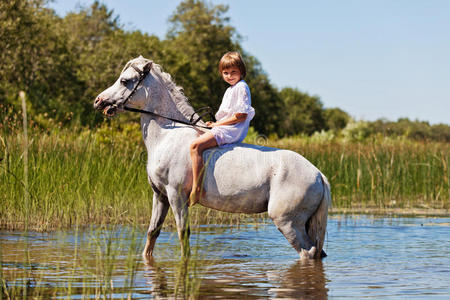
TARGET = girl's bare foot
(195,196)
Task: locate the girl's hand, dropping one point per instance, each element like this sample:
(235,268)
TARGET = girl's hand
(210,124)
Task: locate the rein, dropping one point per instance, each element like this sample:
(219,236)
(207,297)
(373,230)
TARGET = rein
(142,76)
(190,123)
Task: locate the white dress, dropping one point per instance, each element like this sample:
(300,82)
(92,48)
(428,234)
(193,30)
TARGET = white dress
(237,99)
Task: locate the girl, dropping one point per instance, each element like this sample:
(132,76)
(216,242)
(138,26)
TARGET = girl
(233,118)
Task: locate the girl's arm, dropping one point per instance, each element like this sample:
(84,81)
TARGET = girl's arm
(234,119)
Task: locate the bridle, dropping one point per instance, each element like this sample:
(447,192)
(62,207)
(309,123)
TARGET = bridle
(142,76)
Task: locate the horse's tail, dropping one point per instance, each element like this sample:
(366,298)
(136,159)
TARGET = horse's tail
(316,226)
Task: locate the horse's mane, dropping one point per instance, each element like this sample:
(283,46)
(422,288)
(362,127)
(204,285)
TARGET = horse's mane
(181,101)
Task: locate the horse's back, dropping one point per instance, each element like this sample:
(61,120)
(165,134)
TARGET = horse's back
(242,177)
(257,161)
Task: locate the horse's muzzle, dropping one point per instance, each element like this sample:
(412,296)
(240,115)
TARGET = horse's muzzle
(99,104)
(110,111)
(107,108)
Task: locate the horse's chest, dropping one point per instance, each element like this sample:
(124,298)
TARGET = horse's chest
(166,170)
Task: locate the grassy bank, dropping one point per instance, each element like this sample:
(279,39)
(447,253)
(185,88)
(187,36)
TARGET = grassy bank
(79,177)
(98,176)
(380,173)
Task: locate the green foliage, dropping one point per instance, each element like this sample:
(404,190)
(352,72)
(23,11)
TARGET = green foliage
(323,136)
(34,58)
(202,32)
(98,176)
(80,177)
(336,119)
(63,63)
(356,131)
(440,132)
(382,173)
(265,99)
(302,113)
(101,49)
(416,130)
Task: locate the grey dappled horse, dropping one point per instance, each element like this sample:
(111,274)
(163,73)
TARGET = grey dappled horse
(239,178)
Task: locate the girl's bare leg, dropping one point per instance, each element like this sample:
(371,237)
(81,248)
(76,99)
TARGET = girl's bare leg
(199,145)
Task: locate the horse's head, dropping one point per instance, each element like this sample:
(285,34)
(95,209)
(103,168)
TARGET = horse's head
(128,88)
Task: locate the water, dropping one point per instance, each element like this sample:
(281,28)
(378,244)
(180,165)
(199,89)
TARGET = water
(369,257)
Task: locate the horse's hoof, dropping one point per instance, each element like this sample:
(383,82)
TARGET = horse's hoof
(148,259)
(308,254)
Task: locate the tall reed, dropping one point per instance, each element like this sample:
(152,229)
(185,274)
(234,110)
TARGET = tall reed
(25,155)
(81,176)
(381,172)
(72,179)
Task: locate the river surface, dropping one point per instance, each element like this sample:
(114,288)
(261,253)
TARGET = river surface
(368,257)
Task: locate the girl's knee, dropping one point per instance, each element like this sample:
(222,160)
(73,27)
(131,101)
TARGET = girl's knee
(194,147)
(202,143)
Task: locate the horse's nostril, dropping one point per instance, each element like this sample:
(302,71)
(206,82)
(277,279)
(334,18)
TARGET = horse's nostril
(97,102)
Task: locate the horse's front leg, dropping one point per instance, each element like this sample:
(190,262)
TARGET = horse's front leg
(159,212)
(178,203)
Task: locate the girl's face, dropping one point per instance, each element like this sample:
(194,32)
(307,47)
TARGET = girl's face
(231,75)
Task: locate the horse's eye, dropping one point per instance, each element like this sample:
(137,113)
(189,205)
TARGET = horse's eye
(124,81)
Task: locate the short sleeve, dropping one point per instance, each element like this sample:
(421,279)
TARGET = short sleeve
(242,99)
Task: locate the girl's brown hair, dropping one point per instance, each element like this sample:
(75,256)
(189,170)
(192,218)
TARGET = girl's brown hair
(232,59)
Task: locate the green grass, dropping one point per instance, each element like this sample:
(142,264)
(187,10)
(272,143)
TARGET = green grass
(83,177)
(72,179)
(380,173)
(80,177)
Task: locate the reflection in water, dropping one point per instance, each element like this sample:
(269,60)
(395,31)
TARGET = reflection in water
(368,257)
(302,280)
(156,279)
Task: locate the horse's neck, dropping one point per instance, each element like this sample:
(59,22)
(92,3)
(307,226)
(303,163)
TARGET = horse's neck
(152,131)
(161,101)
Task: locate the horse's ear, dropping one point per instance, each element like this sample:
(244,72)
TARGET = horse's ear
(140,56)
(126,67)
(148,66)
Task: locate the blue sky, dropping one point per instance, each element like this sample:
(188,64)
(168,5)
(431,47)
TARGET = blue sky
(372,58)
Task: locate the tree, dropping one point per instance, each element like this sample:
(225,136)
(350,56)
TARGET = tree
(201,35)
(416,130)
(303,113)
(265,99)
(440,132)
(336,119)
(63,63)
(34,59)
(101,48)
